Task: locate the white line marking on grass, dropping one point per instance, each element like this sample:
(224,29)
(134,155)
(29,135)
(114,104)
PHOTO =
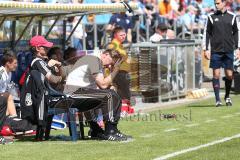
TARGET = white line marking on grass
(192,125)
(210,120)
(170,130)
(238,113)
(174,154)
(227,116)
(147,135)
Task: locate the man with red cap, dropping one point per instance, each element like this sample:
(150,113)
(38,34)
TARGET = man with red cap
(39,47)
(34,98)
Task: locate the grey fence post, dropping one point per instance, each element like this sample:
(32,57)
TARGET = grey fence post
(95,35)
(183,32)
(147,32)
(84,37)
(159,74)
(177,72)
(138,31)
(185,67)
(193,65)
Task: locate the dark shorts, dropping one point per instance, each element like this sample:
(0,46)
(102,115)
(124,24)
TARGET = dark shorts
(3,108)
(222,60)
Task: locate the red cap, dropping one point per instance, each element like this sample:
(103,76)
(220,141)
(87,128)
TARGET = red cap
(38,41)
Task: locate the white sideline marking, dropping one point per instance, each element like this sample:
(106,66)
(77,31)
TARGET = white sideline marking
(170,130)
(238,113)
(197,147)
(227,116)
(192,125)
(210,120)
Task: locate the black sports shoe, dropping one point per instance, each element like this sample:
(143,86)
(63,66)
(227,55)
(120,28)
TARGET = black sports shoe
(120,134)
(114,137)
(5,140)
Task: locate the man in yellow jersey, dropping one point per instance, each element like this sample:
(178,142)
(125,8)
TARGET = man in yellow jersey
(122,79)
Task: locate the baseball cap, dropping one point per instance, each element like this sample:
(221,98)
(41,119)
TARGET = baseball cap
(38,41)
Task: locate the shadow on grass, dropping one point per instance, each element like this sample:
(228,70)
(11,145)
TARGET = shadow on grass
(58,138)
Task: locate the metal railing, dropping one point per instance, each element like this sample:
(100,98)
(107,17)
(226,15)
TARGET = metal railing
(165,71)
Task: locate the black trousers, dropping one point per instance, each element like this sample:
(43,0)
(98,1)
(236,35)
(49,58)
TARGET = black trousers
(107,100)
(122,81)
(3,108)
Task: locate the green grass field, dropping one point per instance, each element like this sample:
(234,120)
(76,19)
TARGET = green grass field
(195,124)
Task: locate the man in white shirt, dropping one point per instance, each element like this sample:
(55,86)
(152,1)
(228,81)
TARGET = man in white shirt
(87,79)
(7,107)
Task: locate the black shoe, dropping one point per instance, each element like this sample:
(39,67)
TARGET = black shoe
(120,134)
(5,140)
(114,137)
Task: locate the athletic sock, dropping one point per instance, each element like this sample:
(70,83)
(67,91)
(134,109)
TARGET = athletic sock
(228,85)
(216,86)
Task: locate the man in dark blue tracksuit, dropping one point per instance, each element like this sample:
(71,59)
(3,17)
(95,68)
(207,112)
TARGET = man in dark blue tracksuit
(220,40)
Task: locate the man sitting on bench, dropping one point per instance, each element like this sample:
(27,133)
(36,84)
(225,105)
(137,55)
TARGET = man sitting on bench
(87,79)
(9,64)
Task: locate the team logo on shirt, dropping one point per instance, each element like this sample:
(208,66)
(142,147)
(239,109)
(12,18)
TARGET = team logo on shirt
(28,99)
(216,19)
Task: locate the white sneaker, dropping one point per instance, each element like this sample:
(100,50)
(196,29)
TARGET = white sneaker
(228,102)
(218,104)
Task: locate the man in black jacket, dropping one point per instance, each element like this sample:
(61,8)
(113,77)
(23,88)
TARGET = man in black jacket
(221,35)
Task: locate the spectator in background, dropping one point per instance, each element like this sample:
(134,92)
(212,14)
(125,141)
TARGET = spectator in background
(160,33)
(121,19)
(238,11)
(165,9)
(188,19)
(150,12)
(171,34)
(78,34)
(236,5)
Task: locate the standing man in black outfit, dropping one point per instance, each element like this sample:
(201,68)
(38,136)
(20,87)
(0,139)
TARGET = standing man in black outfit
(220,40)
